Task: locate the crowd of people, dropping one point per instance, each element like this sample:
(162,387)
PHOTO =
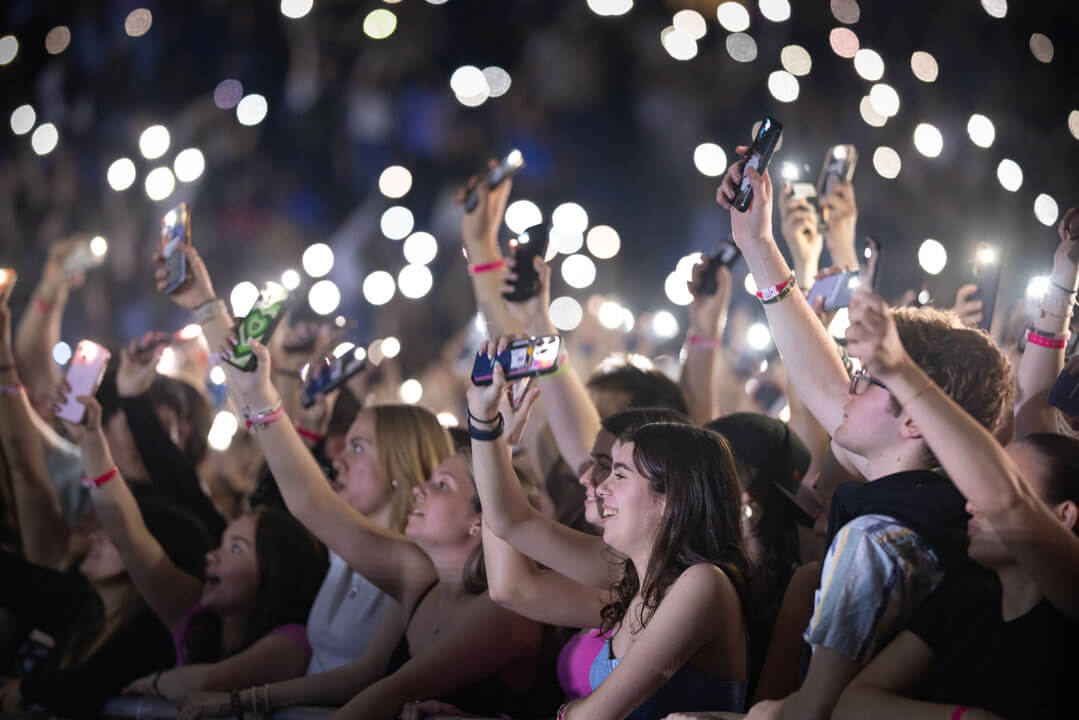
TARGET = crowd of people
(599,543)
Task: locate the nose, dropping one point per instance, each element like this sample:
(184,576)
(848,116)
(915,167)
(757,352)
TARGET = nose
(418,493)
(971,510)
(587,478)
(602,490)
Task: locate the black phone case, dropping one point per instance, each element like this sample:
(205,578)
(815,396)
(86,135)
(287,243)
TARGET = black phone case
(764,144)
(988,282)
(331,377)
(520,360)
(494,178)
(727,256)
(526,286)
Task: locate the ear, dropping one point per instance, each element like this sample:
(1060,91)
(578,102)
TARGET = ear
(1068,514)
(184,432)
(476,527)
(908,430)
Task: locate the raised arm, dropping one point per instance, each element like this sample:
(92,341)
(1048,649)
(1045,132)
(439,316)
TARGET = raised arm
(813,365)
(506,510)
(707,318)
(972,457)
(1041,365)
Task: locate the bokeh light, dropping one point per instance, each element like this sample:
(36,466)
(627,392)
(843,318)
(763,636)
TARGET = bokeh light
(758,337)
(324,297)
(607,8)
(844,42)
(846,11)
(379,24)
(138,22)
(498,80)
(676,289)
(121,174)
(996,8)
(9,48)
(415,281)
(223,428)
(775,10)
(1041,47)
(1010,175)
(243,297)
(290,279)
(578,271)
(252,109)
(469,81)
(296,9)
(869,64)
(411,391)
(448,420)
(154,142)
(884,99)
(679,44)
(98,246)
(1073,123)
(23,119)
(664,325)
(741,47)
(397,222)
(566,313)
(395,181)
(981,130)
(189,165)
(924,66)
(1046,209)
(611,314)
(57,40)
(420,248)
(795,59)
(733,16)
(217,375)
(1037,287)
(44,139)
(391,347)
(522,214)
(317,260)
(603,242)
(710,159)
(886,162)
(932,256)
(228,93)
(567,243)
(378,287)
(61,353)
(783,86)
(570,218)
(928,140)
(690,22)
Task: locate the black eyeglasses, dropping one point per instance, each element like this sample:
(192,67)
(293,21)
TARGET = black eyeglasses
(861,381)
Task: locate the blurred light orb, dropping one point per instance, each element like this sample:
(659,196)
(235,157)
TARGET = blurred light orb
(741,47)
(474,101)
(228,93)
(1046,209)
(750,284)
(565,242)
(23,119)
(243,297)
(838,327)
(996,8)
(775,10)
(884,99)
(566,313)
(869,64)
(924,66)
(9,48)
(522,214)
(627,320)
(611,315)
(664,324)
(783,86)
(154,142)
(224,426)
(391,347)
(733,16)
(324,297)
(411,391)
(1010,175)
(758,336)
(395,181)
(603,242)
(1037,287)
(795,59)
(932,256)
(844,42)
(846,11)
(296,9)
(160,182)
(690,22)
(469,81)
(397,222)
(290,279)
(498,81)
(342,349)
(217,375)
(317,260)
(415,281)
(121,174)
(437,2)
(189,165)
(981,130)
(685,265)
(378,287)
(448,420)
(420,248)
(252,109)
(138,22)
(578,271)
(679,44)
(1073,123)
(928,140)
(379,24)
(1041,47)
(676,289)
(61,353)
(710,159)
(607,8)
(57,40)
(570,217)
(924,296)
(789,172)
(886,162)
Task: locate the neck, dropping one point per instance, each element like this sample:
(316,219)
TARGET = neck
(901,457)
(449,561)
(383,515)
(232,631)
(112,594)
(1019,592)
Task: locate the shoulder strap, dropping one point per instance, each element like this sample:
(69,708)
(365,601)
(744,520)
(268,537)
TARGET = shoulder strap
(420,600)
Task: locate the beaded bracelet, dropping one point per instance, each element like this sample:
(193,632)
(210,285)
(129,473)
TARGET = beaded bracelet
(259,419)
(787,290)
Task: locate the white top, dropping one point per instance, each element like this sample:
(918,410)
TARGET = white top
(344,617)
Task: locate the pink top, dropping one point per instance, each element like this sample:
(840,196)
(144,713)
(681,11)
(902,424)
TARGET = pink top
(575,662)
(293,631)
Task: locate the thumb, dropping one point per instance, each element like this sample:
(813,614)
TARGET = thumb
(260,351)
(756,180)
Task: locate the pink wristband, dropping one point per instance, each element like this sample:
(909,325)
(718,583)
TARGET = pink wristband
(308,435)
(958,712)
(263,418)
(13,389)
(486,267)
(704,342)
(1052,343)
(42,306)
(100,479)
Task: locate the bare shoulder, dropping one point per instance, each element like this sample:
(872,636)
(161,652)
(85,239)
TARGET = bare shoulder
(704,580)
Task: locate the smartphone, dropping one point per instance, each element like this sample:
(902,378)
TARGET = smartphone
(727,255)
(1064,395)
(530,244)
(333,376)
(870,262)
(7,283)
(838,167)
(87,255)
(510,166)
(84,375)
(529,357)
(259,325)
(986,275)
(837,289)
(765,141)
(175,229)
(518,390)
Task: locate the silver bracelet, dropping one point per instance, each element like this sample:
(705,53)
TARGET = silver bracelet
(209,310)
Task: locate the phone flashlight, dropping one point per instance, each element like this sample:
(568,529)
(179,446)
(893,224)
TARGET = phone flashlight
(790,172)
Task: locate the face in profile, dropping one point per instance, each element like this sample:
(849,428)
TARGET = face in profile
(359,480)
(232,570)
(596,472)
(103,562)
(444,507)
(868,421)
(630,510)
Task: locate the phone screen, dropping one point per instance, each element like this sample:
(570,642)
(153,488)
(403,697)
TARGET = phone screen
(86,255)
(84,375)
(986,275)
(258,325)
(839,163)
(175,230)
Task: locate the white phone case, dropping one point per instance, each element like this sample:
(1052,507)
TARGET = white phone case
(87,368)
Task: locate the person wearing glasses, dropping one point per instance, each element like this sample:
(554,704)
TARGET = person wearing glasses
(891,540)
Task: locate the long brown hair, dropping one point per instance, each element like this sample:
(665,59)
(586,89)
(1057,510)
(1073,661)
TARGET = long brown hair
(410,443)
(694,470)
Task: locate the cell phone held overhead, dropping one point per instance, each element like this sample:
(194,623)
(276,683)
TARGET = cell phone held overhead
(766,139)
(175,231)
(86,255)
(985,273)
(726,256)
(528,357)
(332,376)
(530,244)
(510,166)
(838,167)
(84,376)
(259,325)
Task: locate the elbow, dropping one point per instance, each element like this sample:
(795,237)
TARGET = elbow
(500,591)
(850,703)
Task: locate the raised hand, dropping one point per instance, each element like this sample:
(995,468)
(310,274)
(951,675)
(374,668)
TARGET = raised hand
(1066,257)
(872,335)
(755,224)
(533,314)
(252,390)
(484,400)
(800,227)
(967,307)
(479,228)
(55,281)
(707,313)
(839,210)
(138,364)
(197,290)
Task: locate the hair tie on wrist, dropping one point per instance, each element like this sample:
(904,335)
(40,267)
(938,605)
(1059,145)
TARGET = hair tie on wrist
(100,479)
(481,420)
(486,435)
(308,435)
(486,267)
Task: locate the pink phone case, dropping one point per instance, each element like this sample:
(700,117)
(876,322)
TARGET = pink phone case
(85,374)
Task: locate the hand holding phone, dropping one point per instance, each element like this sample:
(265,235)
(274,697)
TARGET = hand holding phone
(527,246)
(766,139)
(259,325)
(985,273)
(175,231)
(726,256)
(528,357)
(86,254)
(510,166)
(328,378)
(84,376)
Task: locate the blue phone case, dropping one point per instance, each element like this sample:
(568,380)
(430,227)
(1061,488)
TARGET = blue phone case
(1064,394)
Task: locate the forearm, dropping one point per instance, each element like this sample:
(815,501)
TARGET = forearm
(332,688)
(37,332)
(505,505)
(487,287)
(865,703)
(1040,366)
(698,379)
(806,427)
(381,701)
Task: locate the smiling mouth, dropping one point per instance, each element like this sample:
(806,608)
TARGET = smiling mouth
(608,512)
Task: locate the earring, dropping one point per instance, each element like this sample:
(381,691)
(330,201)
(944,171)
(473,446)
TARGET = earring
(393,484)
